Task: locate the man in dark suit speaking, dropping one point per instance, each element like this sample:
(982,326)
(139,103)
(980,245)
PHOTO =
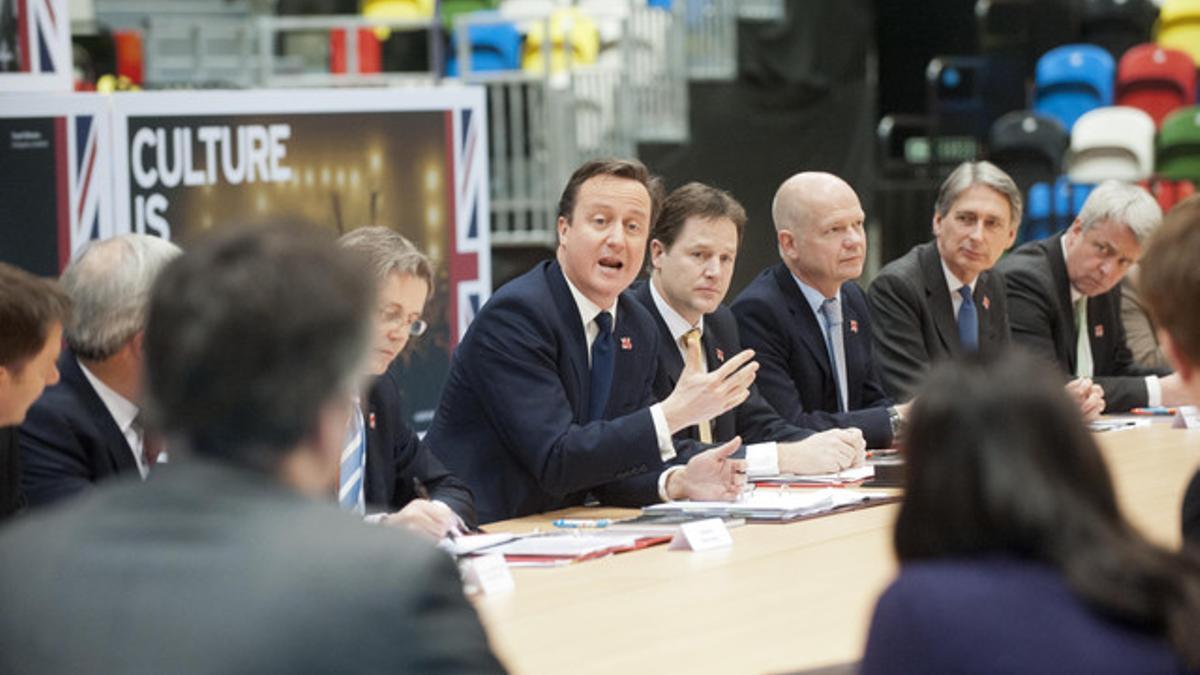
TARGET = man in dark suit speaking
(1064,302)
(808,321)
(549,397)
(693,248)
(231,558)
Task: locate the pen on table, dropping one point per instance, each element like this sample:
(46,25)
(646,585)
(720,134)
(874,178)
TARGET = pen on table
(1154,410)
(578,522)
(423,493)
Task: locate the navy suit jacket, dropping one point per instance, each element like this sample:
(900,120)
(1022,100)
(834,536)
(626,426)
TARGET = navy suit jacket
(69,440)
(1001,615)
(754,420)
(11,498)
(914,317)
(395,456)
(1043,319)
(794,374)
(1191,512)
(512,421)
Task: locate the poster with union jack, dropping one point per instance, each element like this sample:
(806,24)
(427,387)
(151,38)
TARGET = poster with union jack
(35,46)
(55,178)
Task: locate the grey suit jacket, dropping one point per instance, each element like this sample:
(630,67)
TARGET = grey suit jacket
(914,318)
(210,569)
(1043,319)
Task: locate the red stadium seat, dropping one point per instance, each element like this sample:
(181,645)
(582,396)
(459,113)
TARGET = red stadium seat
(1156,79)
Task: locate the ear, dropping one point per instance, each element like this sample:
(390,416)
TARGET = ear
(787,242)
(1186,370)
(563,226)
(135,345)
(657,250)
(1012,235)
(937,225)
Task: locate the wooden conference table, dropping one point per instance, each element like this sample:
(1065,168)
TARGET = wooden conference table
(784,597)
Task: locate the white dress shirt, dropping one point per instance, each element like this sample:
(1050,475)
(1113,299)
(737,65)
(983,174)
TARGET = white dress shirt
(953,283)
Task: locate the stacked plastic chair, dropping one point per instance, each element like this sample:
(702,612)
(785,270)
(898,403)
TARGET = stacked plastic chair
(1115,143)
(1051,207)
(570,30)
(493,47)
(1179,145)
(1179,26)
(1168,192)
(1071,80)
(1156,80)
(1117,25)
(1028,146)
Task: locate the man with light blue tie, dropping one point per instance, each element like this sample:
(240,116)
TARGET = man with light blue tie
(943,298)
(808,321)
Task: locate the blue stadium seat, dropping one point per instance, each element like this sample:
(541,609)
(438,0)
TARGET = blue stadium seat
(494,47)
(1052,209)
(1071,80)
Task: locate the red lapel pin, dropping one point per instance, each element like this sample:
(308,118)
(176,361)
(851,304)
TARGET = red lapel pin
(987,304)
(627,344)
(721,355)
(853,326)
(1098,331)
(371,420)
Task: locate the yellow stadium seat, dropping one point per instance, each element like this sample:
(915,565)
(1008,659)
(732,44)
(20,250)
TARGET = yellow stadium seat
(567,26)
(1179,26)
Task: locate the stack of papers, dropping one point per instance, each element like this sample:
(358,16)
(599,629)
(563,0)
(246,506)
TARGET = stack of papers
(847,477)
(773,505)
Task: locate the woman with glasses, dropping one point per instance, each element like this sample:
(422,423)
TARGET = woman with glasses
(387,473)
(1014,556)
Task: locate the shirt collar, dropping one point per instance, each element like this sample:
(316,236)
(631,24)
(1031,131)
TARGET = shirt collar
(676,324)
(123,411)
(588,309)
(953,282)
(1075,295)
(813,296)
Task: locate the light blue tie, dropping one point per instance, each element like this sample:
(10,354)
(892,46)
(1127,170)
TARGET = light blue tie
(350,483)
(968,321)
(831,309)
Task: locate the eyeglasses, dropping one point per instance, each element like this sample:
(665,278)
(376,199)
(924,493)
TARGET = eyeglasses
(394,319)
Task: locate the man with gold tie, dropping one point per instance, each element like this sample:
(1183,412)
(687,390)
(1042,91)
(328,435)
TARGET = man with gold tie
(693,248)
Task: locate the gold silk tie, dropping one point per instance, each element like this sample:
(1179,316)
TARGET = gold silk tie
(690,339)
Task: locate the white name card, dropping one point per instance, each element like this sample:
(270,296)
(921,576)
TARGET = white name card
(702,535)
(1188,417)
(487,574)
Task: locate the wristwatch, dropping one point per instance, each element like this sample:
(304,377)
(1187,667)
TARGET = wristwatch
(896,420)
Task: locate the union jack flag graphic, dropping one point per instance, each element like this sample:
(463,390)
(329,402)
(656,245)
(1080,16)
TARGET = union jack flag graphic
(82,182)
(470,273)
(39,27)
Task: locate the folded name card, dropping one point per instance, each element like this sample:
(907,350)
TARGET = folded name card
(702,535)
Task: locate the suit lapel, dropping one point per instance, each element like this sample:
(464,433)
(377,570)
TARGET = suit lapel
(114,441)
(724,426)
(810,331)
(575,344)
(983,304)
(1052,249)
(937,297)
(377,462)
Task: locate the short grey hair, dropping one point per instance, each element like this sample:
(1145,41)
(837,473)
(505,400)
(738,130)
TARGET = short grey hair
(969,174)
(386,251)
(1122,203)
(109,284)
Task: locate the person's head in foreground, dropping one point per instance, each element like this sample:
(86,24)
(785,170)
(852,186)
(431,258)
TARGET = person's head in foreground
(32,312)
(1011,532)
(1169,280)
(255,345)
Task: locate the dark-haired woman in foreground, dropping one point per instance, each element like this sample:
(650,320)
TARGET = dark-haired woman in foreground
(1014,555)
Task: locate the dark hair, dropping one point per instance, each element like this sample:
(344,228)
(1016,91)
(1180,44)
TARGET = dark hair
(696,200)
(999,461)
(619,168)
(1169,277)
(29,307)
(249,335)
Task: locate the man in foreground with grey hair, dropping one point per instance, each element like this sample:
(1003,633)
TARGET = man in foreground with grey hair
(88,427)
(1064,302)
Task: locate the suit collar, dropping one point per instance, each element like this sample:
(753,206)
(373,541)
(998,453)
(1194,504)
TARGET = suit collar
(668,349)
(677,326)
(122,410)
(811,333)
(1052,248)
(937,295)
(114,440)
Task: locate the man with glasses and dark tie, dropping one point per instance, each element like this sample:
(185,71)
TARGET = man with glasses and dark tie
(549,400)
(384,464)
(807,320)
